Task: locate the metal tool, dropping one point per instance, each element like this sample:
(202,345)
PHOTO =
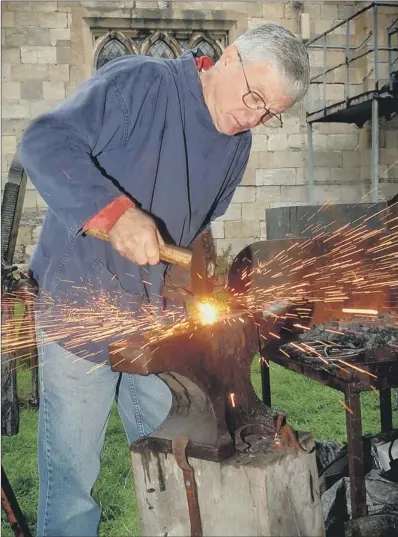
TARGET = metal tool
(208,370)
(179,445)
(199,262)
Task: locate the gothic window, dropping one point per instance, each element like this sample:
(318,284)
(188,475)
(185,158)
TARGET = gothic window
(159,44)
(111,50)
(160,50)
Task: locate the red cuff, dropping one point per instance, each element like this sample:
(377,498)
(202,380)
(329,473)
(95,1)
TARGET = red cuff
(107,218)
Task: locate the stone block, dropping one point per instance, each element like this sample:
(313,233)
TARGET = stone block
(351,159)
(277,142)
(320,142)
(36,233)
(328,158)
(58,34)
(46,55)
(30,200)
(263,229)
(235,6)
(244,194)
(41,107)
(344,128)
(302,176)
(53,91)
(329,12)
(294,193)
(253,162)
(391,138)
(26,18)
(11,90)
(24,236)
(18,6)
(335,92)
(15,110)
(291,125)
(268,193)
(292,159)
(291,12)
(53,20)
(266,160)
(6,72)
(321,175)
(11,55)
(32,90)
(327,193)
(234,212)
(217,229)
(344,175)
(38,36)
(14,126)
(236,245)
(249,177)
(15,37)
(45,6)
(41,204)
(291,24)
(345,10)
(8,144)
(314,10)
(259,142)
(58,73)
(254,211)
(389,155)
(297,141)
(343,142)
(254,9)
(282,176)
(273,10)
(29,72)
(64,55)
(242,229)
(7,19)
(29,54)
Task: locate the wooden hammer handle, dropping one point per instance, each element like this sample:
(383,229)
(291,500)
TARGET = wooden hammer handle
(171,254)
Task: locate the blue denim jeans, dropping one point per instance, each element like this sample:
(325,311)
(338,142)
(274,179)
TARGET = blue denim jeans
(74,410)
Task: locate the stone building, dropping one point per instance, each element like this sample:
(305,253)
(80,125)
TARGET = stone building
(49,47)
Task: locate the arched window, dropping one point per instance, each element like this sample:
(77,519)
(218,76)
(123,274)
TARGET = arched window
(111,50)
(160,50)
(208,50)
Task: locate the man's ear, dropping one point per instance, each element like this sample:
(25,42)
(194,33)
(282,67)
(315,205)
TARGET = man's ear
(229,55)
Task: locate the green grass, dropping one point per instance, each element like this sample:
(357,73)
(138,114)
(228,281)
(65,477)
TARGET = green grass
(309,407)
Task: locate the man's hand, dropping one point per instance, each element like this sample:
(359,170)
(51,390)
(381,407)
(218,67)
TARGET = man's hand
(136,236)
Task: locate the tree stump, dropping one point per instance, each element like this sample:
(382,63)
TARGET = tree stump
(267,492)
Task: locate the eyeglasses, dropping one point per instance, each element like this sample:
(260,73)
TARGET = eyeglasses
(254,101)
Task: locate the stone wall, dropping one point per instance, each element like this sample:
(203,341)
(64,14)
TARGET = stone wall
(48,49)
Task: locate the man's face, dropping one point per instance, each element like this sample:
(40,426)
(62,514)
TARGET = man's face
(229,113)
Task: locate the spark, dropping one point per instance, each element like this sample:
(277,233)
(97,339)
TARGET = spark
(232,397)
(348,409)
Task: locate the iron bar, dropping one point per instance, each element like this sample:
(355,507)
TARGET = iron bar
(324,77)
(375,151)
(375,46)
(381,4)
(343,47)
(310,164)
(356,468)
(347,52)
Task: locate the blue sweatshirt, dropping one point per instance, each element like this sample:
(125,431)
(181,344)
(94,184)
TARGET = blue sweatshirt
(139,126)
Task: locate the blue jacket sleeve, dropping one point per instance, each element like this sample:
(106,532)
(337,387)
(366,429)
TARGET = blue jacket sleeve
(238,170)
(58,151)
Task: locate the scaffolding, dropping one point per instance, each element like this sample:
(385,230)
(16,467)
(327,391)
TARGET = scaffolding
(375,96)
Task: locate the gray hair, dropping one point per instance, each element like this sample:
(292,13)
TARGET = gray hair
(273,43)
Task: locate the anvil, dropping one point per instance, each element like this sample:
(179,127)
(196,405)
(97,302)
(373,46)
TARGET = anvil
(208,370)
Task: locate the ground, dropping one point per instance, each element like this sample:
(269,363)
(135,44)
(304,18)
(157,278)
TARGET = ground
(309,406)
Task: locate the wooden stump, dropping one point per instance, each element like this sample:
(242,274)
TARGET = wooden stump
(267,493)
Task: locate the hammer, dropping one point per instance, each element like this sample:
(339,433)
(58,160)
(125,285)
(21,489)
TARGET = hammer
(202,270)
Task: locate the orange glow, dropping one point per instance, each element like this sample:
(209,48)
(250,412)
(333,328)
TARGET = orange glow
(360,311)
(208,313)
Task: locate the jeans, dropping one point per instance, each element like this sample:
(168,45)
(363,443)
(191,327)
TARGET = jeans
(75,404)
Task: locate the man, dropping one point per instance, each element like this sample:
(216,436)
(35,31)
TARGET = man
(148,150)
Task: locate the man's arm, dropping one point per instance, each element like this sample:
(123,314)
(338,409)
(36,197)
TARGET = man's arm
(58,152)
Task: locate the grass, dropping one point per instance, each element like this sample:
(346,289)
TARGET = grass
(309,406)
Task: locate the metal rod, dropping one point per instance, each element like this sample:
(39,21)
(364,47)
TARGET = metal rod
(355,453)
(265,380)
(389,34)
(324,77)
(375,151)
(342,47)
(375,46)
(385,410)
(347,52)
(310,164)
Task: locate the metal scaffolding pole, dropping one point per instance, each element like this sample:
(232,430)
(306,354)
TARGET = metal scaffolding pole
(310,164)
(375,151)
